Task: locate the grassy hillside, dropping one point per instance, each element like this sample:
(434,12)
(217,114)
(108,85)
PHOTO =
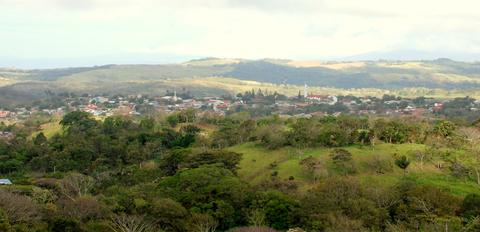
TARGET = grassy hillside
(258,164)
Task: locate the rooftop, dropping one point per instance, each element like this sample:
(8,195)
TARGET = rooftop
(5,182)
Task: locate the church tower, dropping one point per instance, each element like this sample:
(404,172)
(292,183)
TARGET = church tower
(305,91)
(174,95)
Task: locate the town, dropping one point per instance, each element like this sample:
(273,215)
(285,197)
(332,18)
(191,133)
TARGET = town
(257,102)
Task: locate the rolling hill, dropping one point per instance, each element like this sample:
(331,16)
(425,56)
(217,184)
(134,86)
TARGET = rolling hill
(214,76)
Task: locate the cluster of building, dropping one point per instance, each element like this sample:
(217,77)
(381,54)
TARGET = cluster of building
(22,113)
(302,106)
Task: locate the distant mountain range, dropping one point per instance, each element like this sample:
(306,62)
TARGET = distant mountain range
(155,79)
(413,55)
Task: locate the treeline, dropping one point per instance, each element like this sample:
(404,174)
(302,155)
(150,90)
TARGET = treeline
(177,174)
(329,131)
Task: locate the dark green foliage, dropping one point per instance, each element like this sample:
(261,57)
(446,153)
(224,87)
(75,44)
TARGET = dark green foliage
(333,136)
(64,225)
(170,162)
(169,214)
(227,159)
(176,178)
(392,131)
(185,116)
(470,206)
(208,189)
(365,136)
(402,163)
(78,122)
(233,131)
(342,198)
(302,133)
(281,211)
(421,205)
(40,139)
(444,128)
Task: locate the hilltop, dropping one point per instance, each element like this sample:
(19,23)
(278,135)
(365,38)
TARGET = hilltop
(216,76)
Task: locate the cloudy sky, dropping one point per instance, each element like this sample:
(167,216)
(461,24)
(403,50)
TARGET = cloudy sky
(55,33)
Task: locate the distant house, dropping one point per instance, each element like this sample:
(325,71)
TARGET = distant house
(5,182)
(437,107)
(4,114)
(99,100)
(6,135)
(325,99)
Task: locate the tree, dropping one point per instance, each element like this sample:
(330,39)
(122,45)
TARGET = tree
(256,217)
(127,223)
(281,211)
(147,124)
(227,159)
(381,164)
(402,163)
(394,132)
(428,204)
(271,136)
(169,214)
(203,223)
(314,166)
(331,135)
(64,225)
(170,162)
(211,189)
(459,170)
(82,208)
(365,136)
(444,128)
(173,120)
(343,160)
(18,208)
(40,139)
(78,121)
(303,133)
(470,206)
(422,156)
(76,185)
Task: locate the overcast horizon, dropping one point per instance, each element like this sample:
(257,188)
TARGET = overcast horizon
(65,33)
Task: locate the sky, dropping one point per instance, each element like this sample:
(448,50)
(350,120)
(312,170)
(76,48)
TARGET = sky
(59,33)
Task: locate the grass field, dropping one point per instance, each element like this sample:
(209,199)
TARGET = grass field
(50,129)
(258,164)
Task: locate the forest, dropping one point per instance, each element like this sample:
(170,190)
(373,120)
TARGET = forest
(204,172)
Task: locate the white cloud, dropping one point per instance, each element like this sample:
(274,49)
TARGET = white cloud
(299,29)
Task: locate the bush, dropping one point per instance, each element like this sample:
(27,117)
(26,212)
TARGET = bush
(470,206)
(343,161)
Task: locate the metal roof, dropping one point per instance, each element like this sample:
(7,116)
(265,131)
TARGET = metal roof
(5,181)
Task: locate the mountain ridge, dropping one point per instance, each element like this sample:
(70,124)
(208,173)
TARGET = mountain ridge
(432,74)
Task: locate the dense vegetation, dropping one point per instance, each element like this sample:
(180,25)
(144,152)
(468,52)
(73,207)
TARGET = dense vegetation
(193,171)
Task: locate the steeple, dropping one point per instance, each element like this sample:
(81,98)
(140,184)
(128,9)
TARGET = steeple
(175,95)
(305,91)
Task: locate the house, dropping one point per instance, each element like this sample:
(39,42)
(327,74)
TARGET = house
(6,135)
(325,99)
(4,114)
(100,100)
(5,182)
(437,107)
